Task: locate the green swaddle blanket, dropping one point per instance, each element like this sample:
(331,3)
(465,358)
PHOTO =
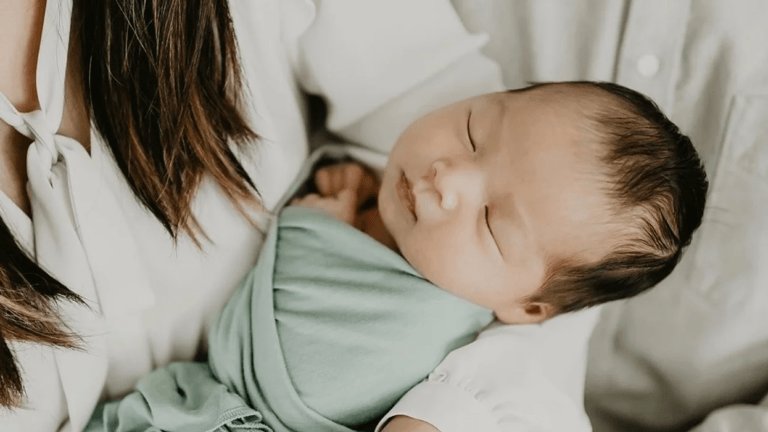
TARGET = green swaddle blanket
(326,333)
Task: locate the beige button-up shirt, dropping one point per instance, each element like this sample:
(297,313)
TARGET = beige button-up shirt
(699,341)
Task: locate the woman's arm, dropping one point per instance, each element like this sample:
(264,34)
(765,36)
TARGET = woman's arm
(512,378)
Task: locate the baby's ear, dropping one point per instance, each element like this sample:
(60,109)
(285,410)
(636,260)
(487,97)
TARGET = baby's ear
(526,313)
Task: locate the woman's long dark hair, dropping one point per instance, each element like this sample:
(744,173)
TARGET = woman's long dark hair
(162,80)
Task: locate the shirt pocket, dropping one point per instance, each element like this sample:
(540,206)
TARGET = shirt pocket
(731,254)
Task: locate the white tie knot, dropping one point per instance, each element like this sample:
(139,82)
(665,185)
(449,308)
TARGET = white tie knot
(44,142)
(34,126)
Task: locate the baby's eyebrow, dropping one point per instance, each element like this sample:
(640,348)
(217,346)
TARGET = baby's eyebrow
(501,105)
(495,121)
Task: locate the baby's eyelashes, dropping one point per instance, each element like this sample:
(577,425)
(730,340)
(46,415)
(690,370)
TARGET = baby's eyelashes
(469,134)
(490,230)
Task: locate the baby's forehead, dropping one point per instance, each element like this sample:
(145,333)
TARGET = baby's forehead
(566,111)
(577,98)
(546,145)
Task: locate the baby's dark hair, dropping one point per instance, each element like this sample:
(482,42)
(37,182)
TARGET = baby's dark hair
(656,178)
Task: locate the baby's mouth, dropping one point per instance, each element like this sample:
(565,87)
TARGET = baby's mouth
(405,192)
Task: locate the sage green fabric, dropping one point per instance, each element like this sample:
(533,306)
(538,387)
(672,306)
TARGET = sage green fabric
(325,334)
(181,397)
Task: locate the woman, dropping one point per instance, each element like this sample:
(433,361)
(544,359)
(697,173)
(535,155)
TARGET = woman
(142,160)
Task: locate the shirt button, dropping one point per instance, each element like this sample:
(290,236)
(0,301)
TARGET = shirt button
(648,65)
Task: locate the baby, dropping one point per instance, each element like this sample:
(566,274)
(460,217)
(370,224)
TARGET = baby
(519,205)
(532,202)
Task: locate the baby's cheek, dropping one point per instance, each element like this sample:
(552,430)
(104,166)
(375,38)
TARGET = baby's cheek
(445,262)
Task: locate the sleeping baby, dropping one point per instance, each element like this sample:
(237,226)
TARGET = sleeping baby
(515,206)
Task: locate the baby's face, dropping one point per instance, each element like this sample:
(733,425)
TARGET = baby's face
(481,195)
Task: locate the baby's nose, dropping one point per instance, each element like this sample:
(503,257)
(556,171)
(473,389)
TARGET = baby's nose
(455,182)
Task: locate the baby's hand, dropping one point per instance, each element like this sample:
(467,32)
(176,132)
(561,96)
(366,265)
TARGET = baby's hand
(342,206)
(332,179)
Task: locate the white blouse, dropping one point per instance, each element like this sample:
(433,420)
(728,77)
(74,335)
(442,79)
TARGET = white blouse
(379,65)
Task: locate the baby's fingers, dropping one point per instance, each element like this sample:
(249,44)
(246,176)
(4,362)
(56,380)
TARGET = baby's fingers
(309,200)
(324,181)
(347,197)
(330,180)
(342,205)
(346,205)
